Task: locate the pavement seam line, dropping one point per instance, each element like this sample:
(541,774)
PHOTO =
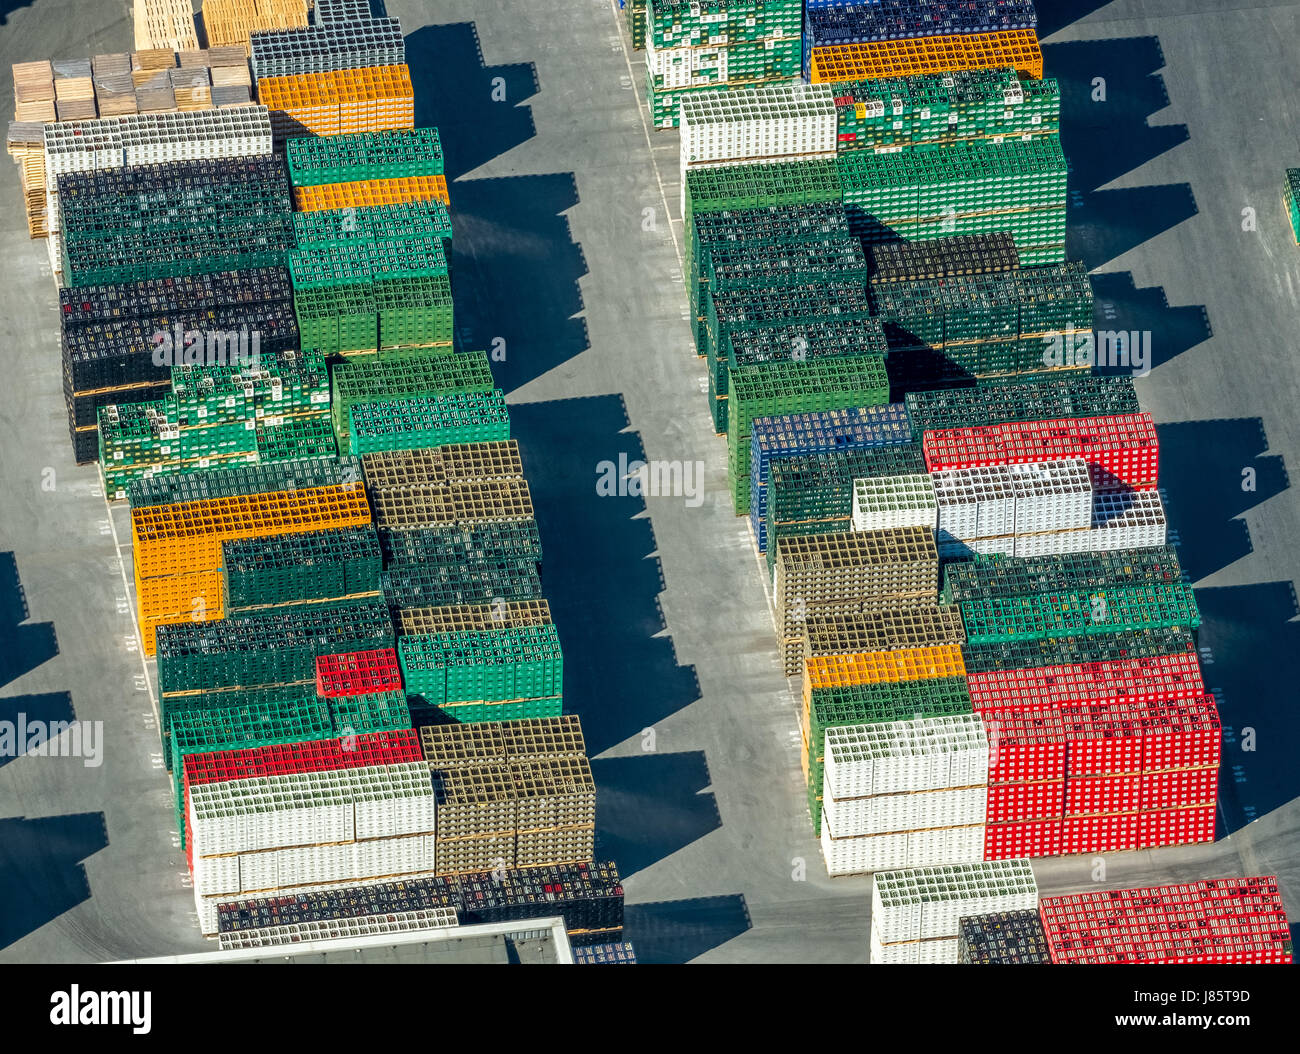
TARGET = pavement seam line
(130,594)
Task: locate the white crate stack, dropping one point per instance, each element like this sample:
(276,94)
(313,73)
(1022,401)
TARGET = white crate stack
(686,67)
(916,914)
(150,139)
(904,794)
(894,501)
(976,510)
(780,122)
(258,835)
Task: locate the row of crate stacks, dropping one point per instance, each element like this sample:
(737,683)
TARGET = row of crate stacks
(172,24)
(335,555)
(703,49)
(971,576)
(992,914)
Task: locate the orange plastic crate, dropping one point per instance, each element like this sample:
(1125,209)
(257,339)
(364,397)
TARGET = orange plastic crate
(177,598)
(186,538)
(371,192)
(370,99)
(876,667)
(921,55)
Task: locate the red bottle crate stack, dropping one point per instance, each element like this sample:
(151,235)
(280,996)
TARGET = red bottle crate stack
(1122,450)
(358,673)
(1121,680)
(1102,777)
(1238,920)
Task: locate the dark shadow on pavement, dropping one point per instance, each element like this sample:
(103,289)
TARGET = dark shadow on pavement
(600,572)
(25,710)
(41,871)
(677,931)
(1210,473)
(650,805)
(23,647)
(1121,306)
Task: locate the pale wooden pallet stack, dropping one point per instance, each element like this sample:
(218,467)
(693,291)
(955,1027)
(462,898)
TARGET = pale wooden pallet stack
(34,91)
(165,24)
(26,145)
(229,23)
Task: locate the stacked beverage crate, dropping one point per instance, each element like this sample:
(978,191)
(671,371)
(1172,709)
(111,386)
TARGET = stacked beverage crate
(707,48)
(634,17)
(968,187)
(916,913)
(1291,201)
(587,896)
(254,407)
(122,224)
(846,41)
(1219,921)
(903,112)
(346,72)
(1007,938)
(120,340)
(511,794)
(904,794)
(305,814)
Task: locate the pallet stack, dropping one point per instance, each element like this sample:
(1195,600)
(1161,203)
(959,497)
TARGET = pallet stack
(916,913)
(230,23)
(344,73)
(165,24)
(846,41)
(711,47)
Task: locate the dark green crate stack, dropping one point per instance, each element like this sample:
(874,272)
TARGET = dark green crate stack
(299,568)
(426,373)
(970,187)
(216,416)
(502,674)
(306,474)
(873,704)
(177,218)
(634,16)
(1291,199)
(417,422)
(1012,576)
(776,388)
(1020,399)
(1100,611)
(362,297)
(702,46)
(813,493)
(1070,651)
(942,108)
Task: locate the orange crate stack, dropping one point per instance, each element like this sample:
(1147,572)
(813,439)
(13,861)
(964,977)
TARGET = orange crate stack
(920,55)
(370,99)
(186,538)
(876,667)
(367,192)
(177,598)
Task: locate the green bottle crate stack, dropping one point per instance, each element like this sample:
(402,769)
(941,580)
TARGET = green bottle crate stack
(943,108)
(219,415)
(476,581)
(1291,199)
(634,17)
(1069,651)
(462,543)
(1074,613)
(484,670)
(873,704)
(790,388)
(286,568)
(426,372)
(174,488)
(986,577)
(278,648)
(813,493)
(355,715)
(318,160)
(370,223)
(1017,186)
(735,187)
(695,46)
(428,421)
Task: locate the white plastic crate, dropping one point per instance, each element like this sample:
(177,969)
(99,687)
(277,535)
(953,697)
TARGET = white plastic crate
(894,501)
(1051,496)
(335,929)
(772,121)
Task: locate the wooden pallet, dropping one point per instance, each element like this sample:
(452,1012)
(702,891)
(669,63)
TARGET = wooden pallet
(165,24)
(229,23)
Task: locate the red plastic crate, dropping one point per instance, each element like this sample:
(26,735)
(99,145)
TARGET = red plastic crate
(1095,795)
(1033,839)
(1098,834)
(1168,677)
(1026,747)
(1103,740)
(322,755)
(358,673)
(1018,802)
(1179,788)
(1183,734)
(1184,826)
